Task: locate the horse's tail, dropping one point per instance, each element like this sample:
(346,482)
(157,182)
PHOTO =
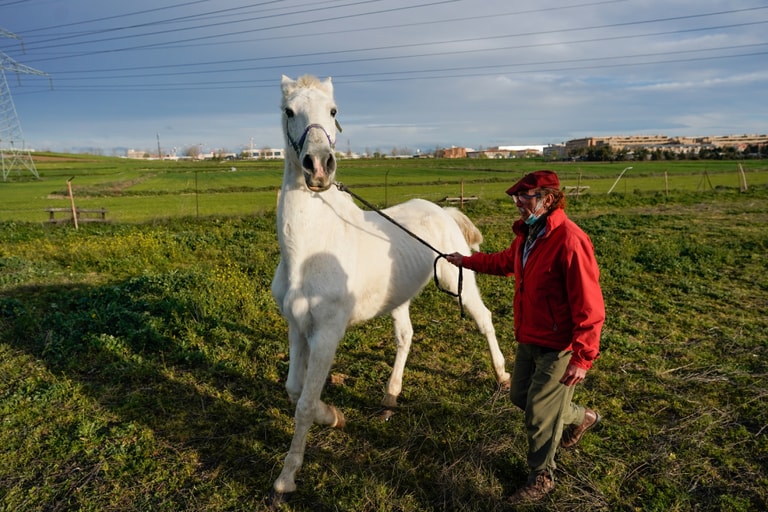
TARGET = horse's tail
(472,235)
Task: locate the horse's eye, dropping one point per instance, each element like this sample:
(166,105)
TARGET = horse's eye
(333,112)
(289,112)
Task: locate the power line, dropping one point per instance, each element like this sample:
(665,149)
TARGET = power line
(245,20)
(116,16)
(427,74)
(396,73)
(179,43)
(58,38)
(456,41)
(284,58)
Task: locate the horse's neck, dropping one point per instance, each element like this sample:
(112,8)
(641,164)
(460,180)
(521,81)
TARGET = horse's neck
(311,220)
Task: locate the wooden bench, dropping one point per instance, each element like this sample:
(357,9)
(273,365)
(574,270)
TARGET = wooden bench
(91,215)
(462,200)
(575,191)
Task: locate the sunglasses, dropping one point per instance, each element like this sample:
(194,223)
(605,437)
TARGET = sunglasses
(527,196)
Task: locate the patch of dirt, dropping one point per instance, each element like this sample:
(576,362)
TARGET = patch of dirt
(53,158)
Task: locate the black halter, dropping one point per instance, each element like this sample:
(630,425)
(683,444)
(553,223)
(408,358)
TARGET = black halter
(297,146)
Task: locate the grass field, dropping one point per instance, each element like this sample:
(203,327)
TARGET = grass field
(141,191)
(142,361)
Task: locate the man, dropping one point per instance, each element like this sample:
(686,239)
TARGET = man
(558,316)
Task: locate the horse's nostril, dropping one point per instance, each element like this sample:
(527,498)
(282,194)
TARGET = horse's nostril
(307,162)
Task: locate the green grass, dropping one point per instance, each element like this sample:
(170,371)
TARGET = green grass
(140,191)
(142,367)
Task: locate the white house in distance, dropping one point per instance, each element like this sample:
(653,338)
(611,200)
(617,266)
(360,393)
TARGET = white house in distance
(264,153)
(506,152)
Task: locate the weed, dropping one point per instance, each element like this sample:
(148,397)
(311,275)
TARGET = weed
(142,368)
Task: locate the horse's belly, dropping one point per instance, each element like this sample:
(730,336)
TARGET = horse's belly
(379,297)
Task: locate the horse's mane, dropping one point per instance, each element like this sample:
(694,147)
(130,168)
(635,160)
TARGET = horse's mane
(303,82)
(307,81)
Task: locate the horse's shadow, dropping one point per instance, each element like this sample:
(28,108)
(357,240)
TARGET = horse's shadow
(109,338)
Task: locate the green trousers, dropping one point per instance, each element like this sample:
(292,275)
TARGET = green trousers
(536,389)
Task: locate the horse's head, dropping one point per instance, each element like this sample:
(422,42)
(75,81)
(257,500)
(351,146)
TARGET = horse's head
(309,124)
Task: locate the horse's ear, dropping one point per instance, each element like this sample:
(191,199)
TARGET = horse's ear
(328,85)
(287,84)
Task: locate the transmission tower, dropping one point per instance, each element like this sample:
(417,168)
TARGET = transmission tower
(14,156)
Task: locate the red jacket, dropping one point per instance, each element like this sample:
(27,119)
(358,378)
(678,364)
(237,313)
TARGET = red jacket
(558,302)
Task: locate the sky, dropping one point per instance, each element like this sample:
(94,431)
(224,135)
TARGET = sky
(411,75)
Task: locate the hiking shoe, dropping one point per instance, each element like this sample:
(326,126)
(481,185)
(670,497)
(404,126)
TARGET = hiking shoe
(534,491)
(574,433)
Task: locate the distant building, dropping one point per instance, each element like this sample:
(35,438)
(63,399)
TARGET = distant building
(665,143)
(738,141)
(507,152)
(554,152)
(132,153)
(264,153)
(452,152)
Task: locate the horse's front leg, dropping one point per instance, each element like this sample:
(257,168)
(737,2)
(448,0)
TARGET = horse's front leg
(403,328)
(309,408)
(298,352)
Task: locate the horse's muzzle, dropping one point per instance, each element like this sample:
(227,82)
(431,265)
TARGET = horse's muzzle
(319,172)
(322,188)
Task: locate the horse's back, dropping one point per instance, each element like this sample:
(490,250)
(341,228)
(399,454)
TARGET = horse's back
(448,227)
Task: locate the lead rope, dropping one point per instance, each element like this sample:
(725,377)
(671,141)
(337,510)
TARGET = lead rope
(346,189)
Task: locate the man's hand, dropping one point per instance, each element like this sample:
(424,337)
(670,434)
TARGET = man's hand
(573,375)
(454,258)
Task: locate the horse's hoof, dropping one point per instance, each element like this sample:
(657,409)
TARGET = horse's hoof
(339,421)
(386,414)
(506,385)
(278,499)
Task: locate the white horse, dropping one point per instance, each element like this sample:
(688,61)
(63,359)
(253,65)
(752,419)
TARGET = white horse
(341,265)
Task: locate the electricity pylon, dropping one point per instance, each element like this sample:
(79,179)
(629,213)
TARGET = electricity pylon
(13,152)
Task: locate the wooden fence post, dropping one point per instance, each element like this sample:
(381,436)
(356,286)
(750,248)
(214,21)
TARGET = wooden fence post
(72,201)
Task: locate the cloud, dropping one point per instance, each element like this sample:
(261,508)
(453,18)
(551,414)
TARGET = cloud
(407,74)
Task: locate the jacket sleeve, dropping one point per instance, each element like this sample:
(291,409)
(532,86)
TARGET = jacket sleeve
(586,299)
(500,263)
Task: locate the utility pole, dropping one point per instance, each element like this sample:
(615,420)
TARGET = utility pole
(13,152)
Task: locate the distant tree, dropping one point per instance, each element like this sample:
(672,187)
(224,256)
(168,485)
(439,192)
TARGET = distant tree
(600,154)
(642,154)
(192,151)
(577,154)
(731,153)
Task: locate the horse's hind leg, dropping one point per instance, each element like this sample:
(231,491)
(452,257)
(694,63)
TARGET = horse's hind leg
(401,320)
(474,305)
